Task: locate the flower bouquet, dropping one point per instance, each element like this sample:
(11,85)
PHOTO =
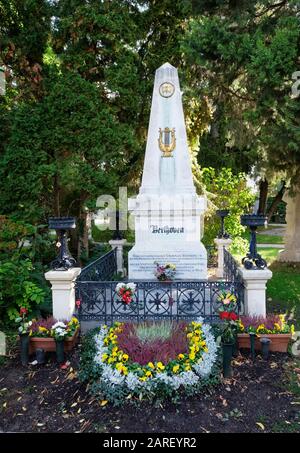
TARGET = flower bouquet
(126,291)
(23,329)
(229,327)
(166,272)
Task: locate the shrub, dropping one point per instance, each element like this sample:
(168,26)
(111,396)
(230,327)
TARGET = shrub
(227,191)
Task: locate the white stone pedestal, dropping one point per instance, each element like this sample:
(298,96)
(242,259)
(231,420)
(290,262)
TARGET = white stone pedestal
(63,292)
(221,243)
(168,230)
(255,290)
(291,252)
(119,244)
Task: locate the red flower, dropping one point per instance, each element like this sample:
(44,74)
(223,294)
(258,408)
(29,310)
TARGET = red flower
(23,311)
(78,303)
(233,316)
(224,315)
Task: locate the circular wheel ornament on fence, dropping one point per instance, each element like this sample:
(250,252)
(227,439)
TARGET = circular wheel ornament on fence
(153,359)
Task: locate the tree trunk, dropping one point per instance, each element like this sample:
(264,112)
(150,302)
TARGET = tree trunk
(263,195)
(276,201)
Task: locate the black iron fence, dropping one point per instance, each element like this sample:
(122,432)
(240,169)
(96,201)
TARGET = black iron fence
(154,300)
(188,300)
(104,268)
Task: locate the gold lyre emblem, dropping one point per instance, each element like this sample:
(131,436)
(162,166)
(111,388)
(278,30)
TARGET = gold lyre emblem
(167,141)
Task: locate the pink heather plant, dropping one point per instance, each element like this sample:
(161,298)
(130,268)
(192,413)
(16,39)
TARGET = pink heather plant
(156,350)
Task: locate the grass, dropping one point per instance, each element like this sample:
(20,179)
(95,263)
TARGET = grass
(283,290)
(268,253)
(269,239)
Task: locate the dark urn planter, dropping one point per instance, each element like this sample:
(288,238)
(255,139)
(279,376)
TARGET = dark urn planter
(60,355)
(62,225)
(252,344)
(222,213)
(40,356)
(227,356)
(265,347)
(253,260)
(24,348)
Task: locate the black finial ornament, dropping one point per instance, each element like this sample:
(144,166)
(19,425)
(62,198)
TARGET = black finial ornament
(62,225)
(222,213)
(253,260)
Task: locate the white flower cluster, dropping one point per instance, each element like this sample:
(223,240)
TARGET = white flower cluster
(185,379)
(130,286)
(60,329)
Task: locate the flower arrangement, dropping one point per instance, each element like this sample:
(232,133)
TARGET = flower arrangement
(271,324)
(126,291)
(43,328)
(227,312)
(59,331)
(127,368)
(22,321)
(165,272)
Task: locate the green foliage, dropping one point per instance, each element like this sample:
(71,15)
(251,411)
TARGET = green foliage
(229,191)
(148,332)
(20,278)
(242,56)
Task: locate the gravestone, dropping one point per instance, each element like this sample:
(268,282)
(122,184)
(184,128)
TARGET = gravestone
(167,211)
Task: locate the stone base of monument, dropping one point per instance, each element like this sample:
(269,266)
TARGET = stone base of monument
(190,262)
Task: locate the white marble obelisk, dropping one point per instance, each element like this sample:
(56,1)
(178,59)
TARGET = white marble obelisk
(167,211)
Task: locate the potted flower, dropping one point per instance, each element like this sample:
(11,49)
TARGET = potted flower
(40,334)
(126,291)
(229,327)
(273,327)
(59,332)
(166,272)
(23,329)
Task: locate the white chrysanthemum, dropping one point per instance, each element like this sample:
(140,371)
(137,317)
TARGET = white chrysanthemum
(59,324)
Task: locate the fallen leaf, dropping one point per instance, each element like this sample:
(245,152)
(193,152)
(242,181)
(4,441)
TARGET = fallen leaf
(74,404)
(54,382)
(103,403)
(4,404)
(71,376)
(40,424)
(260,425)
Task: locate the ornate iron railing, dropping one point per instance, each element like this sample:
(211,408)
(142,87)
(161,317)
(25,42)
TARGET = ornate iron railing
(104,268)
(154,300)
(231,268)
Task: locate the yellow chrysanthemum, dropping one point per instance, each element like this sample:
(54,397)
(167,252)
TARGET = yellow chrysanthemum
(175,368)
(125,357)
(151,365)
(180,356)
(104,357)
(160,366)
